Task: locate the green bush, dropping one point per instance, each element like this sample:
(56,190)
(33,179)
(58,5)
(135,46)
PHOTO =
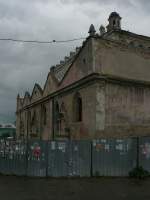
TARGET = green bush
(139,172)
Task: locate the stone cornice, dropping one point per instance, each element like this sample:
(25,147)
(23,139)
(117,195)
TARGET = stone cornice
(88,80)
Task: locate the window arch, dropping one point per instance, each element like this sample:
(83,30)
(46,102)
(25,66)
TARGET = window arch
(33,122)
(77,108)
(22,127)
(57,118)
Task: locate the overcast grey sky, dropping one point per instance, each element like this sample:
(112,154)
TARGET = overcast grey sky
(21,65)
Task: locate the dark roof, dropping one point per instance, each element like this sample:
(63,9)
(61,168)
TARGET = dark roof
(60,70)
(114,14)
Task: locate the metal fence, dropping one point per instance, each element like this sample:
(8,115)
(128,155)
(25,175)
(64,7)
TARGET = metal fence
(69,158)
(103,157)
(114,157)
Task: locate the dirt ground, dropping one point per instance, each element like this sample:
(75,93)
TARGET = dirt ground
(22,188)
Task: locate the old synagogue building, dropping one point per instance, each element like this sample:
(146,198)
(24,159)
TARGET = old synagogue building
(101,90)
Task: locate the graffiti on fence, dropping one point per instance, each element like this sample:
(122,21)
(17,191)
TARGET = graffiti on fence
(36,152)
(146,150)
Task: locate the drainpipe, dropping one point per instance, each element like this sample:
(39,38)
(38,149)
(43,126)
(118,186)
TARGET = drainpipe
(137,160)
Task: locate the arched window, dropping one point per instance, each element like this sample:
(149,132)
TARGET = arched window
(33,122)
(22,127)
(57,118)
(77,108)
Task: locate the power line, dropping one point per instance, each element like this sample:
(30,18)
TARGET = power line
(41,42)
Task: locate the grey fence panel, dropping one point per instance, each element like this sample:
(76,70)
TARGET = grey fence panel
(6,159)
(19,158)
(58,158)
(12,159)
(37,158)
(144,153)
(103,157)
(80,158)
(2,156)
(69,158)
(112,157)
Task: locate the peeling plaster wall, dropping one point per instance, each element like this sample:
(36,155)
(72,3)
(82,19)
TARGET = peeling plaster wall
(86,128)
(127,110)
(120,61)
(127,38)
(100,107)
(46,129)
(81,67)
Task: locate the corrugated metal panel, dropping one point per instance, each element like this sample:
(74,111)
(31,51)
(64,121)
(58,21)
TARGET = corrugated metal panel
(2,156)
(12,157)
(57,158)
(6,158)
(36,165)
(112,157)
(69,158)
(144,153)
(79,163)
(19,158)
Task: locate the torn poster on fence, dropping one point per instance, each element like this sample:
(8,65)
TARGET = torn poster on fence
(62,146)
(53,145)
(94,143)
(107,147)
(119,147)
(146,150)
(76,148)
(99,146)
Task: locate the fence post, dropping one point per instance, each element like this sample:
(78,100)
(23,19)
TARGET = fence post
(137,151)
(46,156)
(91,158)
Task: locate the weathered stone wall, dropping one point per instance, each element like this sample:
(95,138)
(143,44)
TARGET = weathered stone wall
(127,110)
(100,110)
(36,93)
(82,67)
(38,129)
(112,109)
(50,85)
(46,129)
(120,61)
(21,124)
(86,128)
(129,38)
